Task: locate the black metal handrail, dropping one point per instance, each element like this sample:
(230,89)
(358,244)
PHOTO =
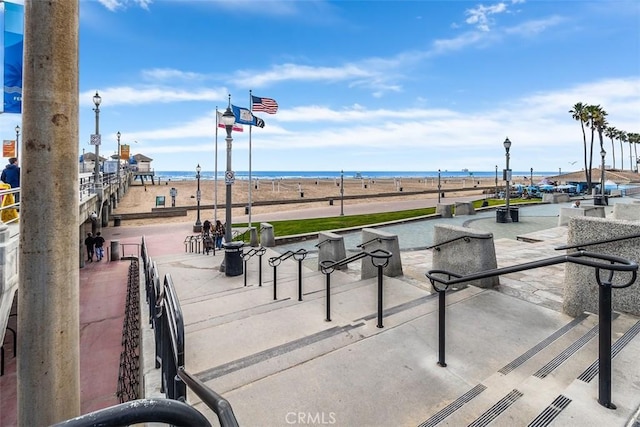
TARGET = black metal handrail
(466,238)
(379,258)
(166,411)
(378,239)
(274,262)
(598,242)
(246,256)
(328,239)
(213,400)
(612,264)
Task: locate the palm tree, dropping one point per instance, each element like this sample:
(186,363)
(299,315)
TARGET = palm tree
(593,117)
(579,113)
(622,137)
(610,132)
(598,124)
(634,138)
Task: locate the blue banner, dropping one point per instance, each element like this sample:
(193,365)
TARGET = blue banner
(13,44)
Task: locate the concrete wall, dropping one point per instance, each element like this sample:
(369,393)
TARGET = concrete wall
(445,210)
(465,256)
(465,208)
(386,241)
(568,213)
(555,198)
(331,248)
(580,287)
(627,211)
(267,236)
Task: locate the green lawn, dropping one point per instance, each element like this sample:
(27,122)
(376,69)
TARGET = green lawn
(314,225)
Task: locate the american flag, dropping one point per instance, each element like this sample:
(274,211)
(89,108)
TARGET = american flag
(266,105)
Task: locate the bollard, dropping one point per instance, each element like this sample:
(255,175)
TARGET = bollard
(115,250)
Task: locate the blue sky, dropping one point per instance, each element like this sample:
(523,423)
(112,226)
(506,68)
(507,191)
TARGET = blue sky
(361,85)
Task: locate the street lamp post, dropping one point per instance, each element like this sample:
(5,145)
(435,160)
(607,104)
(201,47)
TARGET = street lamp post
(95,139)
(232,250)
(197,227)
(531,178)
(439,186)
(602,154)
(496,181)
(342,193)
(17,141)
(118,170)
(507,176)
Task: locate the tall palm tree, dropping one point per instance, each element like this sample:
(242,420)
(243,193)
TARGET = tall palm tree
(630,141)
(599,124)
(635,137)
(593,116)
(579,113)
(610,132)
(622,137)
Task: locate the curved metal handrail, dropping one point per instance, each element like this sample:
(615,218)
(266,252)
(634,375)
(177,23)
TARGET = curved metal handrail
(466,238)
(328,266)
(598,242)
(213,400)
(275,261)
(378,239)
(254,251)
(167,411)
(615,264)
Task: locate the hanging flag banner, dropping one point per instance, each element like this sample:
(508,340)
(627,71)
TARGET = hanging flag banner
(13,46)
(245,117)
(236,126)
(8,148)
(124,152)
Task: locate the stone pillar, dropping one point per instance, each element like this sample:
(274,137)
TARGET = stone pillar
(388,242)
(253,237)
(48,308)
(331,248)
(105,215)
(267,237)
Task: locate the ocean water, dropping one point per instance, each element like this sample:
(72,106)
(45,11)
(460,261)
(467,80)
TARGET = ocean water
(271,175)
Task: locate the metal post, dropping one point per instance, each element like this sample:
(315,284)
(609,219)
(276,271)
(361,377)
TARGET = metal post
(531,178)
(342,193)
(602,154)
(275,282)
(227,233)
(604,347)
(118,170)
(260,268)
(439,186)
(496,180)
(245,271)
(328,298)
(380,294)
(96,140)
(441,328)
(197,227)
(300,280)
(507,146)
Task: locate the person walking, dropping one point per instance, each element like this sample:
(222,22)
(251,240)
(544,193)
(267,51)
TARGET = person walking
(89,242)
(219,233)
(11,175)
(99,246)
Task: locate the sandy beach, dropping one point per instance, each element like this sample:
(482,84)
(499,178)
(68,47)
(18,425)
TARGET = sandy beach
(142,198)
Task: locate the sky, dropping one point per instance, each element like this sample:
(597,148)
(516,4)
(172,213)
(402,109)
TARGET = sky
(361,85)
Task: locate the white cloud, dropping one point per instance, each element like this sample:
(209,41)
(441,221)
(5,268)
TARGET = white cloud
(480,15)
(163,74)
(529,28)
(152,95)
(114,5)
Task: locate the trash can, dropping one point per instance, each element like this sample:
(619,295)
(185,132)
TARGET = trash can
(501,215)
(600,200)
(117,220)
(246,210)
(233,258)
(330,202)
(515,215)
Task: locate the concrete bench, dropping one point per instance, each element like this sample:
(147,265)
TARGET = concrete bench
(465,208)
(627,211)
(568,213)
(331,248)
(376,239)
(580,287)
(267,236)
(445,210)
(464,255)
(555,198)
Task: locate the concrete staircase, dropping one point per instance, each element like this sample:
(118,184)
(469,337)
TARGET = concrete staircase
(509,362)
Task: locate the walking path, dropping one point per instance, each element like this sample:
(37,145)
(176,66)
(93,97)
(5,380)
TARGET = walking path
(235,336)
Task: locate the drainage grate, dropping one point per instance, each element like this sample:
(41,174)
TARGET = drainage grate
(567,353)
(542,345)
(497,409)
(453,406)
(591,372)
(551,412)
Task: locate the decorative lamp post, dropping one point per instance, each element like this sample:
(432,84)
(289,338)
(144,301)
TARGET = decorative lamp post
(342,193)
(118,170)
(507,176)
(496,181)
(197,227)
(17,141)
(232,250)
(95,140)
(439,186)
(531,179)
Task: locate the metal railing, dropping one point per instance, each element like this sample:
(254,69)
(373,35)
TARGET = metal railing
(466,238)
(129,371)
(598,242)
(246,256)
(274,262)
(600,262)
(379,258)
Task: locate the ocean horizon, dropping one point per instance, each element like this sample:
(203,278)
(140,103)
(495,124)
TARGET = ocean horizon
(271,175)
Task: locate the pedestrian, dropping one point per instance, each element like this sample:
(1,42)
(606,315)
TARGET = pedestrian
(219,232)
(89,242)
(206,226)
(576,204)
(11,175)
(99,245)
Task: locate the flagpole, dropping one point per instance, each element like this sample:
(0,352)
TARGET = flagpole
(215,177)
(250,182)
